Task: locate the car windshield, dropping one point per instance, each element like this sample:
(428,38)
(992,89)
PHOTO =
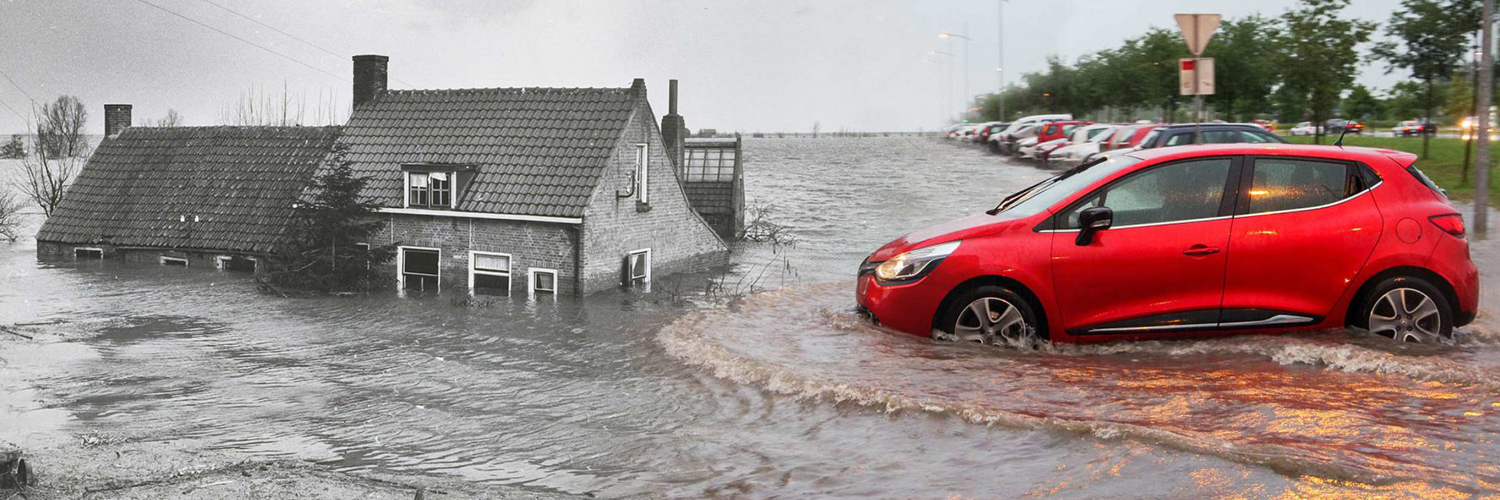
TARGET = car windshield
(1049,192)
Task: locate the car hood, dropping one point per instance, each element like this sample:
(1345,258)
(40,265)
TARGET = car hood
(975,225)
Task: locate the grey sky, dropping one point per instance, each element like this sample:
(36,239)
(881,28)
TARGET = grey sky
(746,66)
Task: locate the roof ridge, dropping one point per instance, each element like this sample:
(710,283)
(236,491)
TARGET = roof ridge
(480,90)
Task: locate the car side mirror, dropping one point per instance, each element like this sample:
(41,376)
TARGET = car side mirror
(1091,221)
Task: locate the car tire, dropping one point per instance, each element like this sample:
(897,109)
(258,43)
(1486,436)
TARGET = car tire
(1427,315)
(964,319)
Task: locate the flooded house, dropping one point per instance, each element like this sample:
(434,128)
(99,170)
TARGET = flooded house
(503,191)
(536,191)
(214,197)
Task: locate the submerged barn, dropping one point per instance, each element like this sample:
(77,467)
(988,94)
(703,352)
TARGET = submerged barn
(531,191)
(193,196)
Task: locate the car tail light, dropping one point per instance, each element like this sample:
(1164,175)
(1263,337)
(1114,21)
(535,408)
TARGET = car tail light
(1451,223)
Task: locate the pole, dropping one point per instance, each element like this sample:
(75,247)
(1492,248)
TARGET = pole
(967,95)
(1001,9)
(1197,92)
(1473,110)
(1486,90)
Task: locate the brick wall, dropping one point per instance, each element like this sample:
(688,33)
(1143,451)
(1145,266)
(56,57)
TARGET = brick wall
(530,245)
(678,237)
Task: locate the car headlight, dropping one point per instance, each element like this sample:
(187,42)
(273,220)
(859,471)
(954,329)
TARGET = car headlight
(914,264)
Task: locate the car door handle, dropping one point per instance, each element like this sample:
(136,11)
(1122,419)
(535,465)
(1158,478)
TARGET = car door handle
(1200,250)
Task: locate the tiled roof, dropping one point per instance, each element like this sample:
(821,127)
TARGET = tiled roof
(146,186)
(539,151)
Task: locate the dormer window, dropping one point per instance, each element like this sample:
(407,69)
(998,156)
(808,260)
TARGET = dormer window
(429,189)
(436,186)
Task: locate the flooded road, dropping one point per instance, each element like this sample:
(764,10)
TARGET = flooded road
(783,394)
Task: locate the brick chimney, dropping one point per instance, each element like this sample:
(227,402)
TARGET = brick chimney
(673,127)
(369,77)
(116,118)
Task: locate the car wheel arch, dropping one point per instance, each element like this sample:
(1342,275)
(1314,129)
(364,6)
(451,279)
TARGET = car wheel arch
(1000,281)
(1431,277)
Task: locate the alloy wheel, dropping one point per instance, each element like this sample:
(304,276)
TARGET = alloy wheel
(1407,314)
(991,320)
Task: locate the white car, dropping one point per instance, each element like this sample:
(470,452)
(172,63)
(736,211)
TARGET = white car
(1304,128)
(1085,142)
(1032,152)
(1024,145)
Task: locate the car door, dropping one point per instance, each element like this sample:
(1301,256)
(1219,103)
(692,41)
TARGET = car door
(1303,229)
(1160,267)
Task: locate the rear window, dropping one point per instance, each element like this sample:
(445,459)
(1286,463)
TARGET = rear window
(1421,177)
(1150,139)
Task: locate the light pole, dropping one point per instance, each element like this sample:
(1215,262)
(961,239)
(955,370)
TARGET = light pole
(950,78)
(1000,94)
(950,36)
(1482,127)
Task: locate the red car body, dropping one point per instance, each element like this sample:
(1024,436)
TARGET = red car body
(1313,263)
(1058,130)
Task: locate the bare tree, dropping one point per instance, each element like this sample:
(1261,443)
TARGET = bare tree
(173,119)
(10,216)
(257,107)
(60,127)
(817,127)
(59,151)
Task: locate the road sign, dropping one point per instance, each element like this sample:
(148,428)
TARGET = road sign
(1195,76)
(1197,29)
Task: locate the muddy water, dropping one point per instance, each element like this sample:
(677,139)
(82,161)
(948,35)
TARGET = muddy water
(783,394)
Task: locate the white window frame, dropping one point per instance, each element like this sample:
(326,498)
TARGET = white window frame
(163,260)
(509,273)
(363,245)
(88,249)
(219,261)
(646,280)
(452,189)
(531,281)
(401,266)
(643,171)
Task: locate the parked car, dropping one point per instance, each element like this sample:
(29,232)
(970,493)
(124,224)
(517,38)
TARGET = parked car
(1011,134)
(1008,143)
(1197,241)
(1269,125)
(986,129)
(1048,134)
(1338,126)
(1181,134)
(1124,142)
(1084,142)
(1467,126)
(1414,127)
(1304,128)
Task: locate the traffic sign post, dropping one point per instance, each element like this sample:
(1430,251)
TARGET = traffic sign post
(1197,29)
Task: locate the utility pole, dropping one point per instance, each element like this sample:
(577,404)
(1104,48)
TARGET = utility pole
(1482,126)
(1000,8)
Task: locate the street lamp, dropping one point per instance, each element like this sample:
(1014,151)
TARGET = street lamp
(949,90)
(950,36)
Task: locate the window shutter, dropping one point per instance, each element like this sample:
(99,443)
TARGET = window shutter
(625,271)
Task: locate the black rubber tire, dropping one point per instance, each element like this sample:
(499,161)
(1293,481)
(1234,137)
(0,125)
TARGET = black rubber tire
(949,317)
(1361,317)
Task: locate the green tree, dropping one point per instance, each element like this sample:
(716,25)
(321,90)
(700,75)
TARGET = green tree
(319,254)
(1433,38)
(1360,104)
(1321,56)
(1245,56)
(1405,100)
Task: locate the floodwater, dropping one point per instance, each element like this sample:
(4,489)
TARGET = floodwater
(785,393)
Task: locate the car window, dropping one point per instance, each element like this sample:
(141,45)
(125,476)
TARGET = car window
(1221,136)
(1180,139)
(1288,184)
(1150,139)
(1175,192)
(1254,137)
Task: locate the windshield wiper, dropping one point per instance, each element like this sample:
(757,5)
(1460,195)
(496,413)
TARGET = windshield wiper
(1021,195)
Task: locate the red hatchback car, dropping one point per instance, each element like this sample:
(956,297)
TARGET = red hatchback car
(1190,241)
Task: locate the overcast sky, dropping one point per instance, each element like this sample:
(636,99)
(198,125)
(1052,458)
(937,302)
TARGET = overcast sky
(743,65)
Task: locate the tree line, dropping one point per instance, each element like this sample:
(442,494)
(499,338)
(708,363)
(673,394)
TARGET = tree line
(1300,65)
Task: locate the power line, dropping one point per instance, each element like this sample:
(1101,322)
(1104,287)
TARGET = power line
(13,111)
(288,35)
(18,87)
(272,28)
(253,44)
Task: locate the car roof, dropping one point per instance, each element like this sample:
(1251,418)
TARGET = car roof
(1180,126)
(1370,156)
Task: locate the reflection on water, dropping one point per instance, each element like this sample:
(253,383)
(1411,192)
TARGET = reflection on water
(782,394)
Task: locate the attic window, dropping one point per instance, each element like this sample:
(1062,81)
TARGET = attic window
(429,189)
